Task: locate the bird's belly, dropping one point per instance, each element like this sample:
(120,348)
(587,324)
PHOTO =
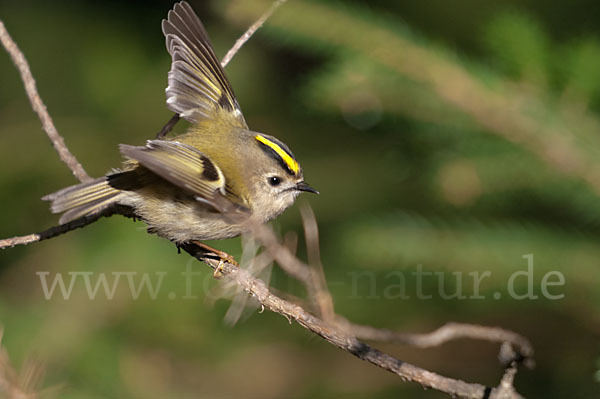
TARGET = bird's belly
(181,221)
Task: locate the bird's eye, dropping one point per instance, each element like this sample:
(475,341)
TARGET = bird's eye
(274,180)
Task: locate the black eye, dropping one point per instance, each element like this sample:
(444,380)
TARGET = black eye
(274,180)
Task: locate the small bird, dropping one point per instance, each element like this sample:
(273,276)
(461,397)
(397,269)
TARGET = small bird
(205,183)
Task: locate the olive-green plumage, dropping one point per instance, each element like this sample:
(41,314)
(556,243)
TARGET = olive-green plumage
(205,183)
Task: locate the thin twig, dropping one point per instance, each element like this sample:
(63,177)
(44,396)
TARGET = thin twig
(168,126)
(248,34)
(448,332)
(310,277)
(258,289)
(280,253)
(38,106)
(317,285)
(61,229)
(21,240)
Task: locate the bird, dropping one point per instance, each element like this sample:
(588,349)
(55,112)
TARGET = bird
(206,183)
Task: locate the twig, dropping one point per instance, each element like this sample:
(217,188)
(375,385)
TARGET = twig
(248,34)
(317,285)
(446,333)
(343,340)
(61,229)
(506,387)
(311,277)
(168,126)
(22,240)
(280,253)
(39,107)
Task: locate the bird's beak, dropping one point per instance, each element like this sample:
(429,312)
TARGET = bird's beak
(302,186)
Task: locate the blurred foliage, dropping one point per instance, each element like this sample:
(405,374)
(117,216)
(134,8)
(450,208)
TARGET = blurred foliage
(452,138)
(519,45)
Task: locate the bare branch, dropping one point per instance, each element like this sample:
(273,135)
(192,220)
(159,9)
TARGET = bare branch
(281,254)
(168,126)
(258,289)
(446,333)
(317,285)
(22,240)
(506,384)
(61,229)
(39,107)
(248,34)
(311,277)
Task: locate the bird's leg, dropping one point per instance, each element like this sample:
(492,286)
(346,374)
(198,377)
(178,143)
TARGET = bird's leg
(222,256)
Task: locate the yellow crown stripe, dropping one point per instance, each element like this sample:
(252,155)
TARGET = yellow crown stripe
(289,161)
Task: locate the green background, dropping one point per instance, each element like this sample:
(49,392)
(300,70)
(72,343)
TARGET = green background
(452,136)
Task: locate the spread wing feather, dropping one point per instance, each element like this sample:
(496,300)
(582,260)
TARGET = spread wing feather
(198,88)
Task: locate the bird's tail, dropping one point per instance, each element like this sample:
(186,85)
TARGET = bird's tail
(83,199)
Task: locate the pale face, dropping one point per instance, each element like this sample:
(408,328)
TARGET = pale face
(275,191)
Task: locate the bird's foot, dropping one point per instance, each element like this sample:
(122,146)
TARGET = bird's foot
(222,256)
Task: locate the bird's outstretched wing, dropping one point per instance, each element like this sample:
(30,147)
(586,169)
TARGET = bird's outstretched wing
(198,88)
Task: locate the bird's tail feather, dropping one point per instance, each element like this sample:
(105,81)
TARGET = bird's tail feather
(83,199)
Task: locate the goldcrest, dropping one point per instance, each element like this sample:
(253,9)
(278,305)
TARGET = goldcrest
(186,188)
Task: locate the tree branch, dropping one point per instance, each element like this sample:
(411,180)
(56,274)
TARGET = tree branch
(38,106)
(20,240)
(63,228)
(251,30)
(314,281)
(448,332)
(316,285)
(345,341)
